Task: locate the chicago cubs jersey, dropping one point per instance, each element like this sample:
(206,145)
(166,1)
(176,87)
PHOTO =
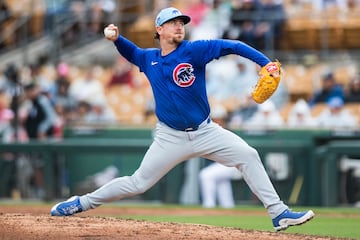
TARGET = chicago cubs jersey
(178,79)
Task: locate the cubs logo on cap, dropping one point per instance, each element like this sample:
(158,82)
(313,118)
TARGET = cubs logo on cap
(168,14)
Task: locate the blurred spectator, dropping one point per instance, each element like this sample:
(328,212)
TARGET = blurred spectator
(214,23)
(39,77)
(65,104)
(77,28)
(100,113)
(40,124)
(82,111)
(352,94)
(270,30)
(248,107)
(243,20)
(6,114)
(336,116)
(10,80)
(257,23)
(267,116)
(329,89)
(101,13)
(321,5)
(41,116)
(300,115)
(55,9)
(230,77)
(197,10)
(87,88)
(121,73)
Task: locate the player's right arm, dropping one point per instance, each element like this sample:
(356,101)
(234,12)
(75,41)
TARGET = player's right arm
(126,48)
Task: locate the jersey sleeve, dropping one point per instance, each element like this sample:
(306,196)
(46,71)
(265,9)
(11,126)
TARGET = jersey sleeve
(130,51)
(207,50)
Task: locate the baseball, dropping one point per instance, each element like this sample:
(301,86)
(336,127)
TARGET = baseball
(109,33)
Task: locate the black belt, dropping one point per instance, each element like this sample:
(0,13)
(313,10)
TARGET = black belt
(191,129)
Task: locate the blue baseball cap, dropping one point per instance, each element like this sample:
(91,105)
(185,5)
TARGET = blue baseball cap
(168,14)
(335,102)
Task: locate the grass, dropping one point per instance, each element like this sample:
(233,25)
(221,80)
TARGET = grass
(330,222)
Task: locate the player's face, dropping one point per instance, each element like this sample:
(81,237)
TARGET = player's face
(173,31)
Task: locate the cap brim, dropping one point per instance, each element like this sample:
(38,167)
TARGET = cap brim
(186,19)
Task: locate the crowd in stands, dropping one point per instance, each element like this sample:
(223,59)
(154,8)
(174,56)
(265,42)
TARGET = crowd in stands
(39,100)
(79,19)
(80,94)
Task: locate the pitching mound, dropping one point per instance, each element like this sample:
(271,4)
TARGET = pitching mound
(35,223)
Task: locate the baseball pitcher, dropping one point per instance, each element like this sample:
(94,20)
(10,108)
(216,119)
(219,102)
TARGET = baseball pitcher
(176,72)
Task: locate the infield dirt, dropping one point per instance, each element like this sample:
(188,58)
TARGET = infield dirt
(34,222)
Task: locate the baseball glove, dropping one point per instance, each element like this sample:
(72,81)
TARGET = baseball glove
(269,79)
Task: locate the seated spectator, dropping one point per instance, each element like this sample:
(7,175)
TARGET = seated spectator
(267,116)
(121,73)
(336,116)
(300,115)
(100,113)
(214,23)
(64,103)
(329,89)
(270,29)
(82,111)
(6,114)
(248,107)
(230,77)
(197,10)
(352,94)
(40,114)
(259,24)
(321,5)
(242,22)
(87,88)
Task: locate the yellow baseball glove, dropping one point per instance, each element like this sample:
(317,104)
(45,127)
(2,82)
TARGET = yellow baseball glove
(269,79)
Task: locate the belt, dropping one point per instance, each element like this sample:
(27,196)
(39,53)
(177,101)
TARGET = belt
(191,129)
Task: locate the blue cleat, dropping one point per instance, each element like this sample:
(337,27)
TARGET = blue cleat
(67,208)
(289,218)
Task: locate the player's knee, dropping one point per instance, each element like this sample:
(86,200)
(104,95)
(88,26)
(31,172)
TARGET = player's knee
(140,184)
(253,154)
(203,176)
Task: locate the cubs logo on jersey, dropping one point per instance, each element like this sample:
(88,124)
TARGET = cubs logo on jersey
(183,75)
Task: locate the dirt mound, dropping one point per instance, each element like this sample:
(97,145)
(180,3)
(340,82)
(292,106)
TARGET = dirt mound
(34,222)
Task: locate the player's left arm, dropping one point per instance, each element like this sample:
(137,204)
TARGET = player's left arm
(207,50)
(269,75)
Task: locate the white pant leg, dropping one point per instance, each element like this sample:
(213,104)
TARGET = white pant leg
(221,145)
(168,149)
(215,182)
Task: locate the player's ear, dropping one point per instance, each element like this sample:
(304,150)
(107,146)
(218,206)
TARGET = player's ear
(159,30)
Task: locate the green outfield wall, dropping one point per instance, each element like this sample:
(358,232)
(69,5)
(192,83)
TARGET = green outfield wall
(302,164)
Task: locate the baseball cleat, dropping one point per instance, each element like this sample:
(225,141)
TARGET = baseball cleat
(289,218)
(67,208)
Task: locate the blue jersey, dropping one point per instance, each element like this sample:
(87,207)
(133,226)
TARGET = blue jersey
(178,79)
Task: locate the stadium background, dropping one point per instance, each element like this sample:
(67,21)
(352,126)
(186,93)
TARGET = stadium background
(47,35)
